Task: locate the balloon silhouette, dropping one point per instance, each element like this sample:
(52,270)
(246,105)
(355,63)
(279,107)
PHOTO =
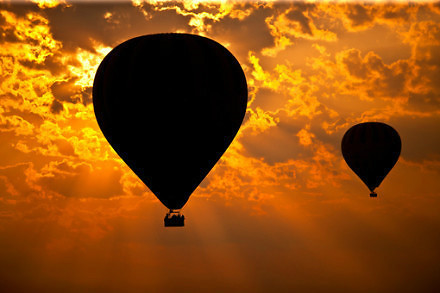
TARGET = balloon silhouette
(371,150)
(170,105)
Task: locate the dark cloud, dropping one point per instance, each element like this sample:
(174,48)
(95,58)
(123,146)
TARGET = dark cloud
(81,25)
(248,34)
(358,14)
(278,143)
(420,139)
(354,63)
(56,107)
(381,80)
(52,63)
(268,100)
(333,136)
(86,95)
(424,102)
(64,147)
(14,181)
(66,91)
(425,93)
(6,32)
(297,14)
(78,25)
(396,12)
(81,181)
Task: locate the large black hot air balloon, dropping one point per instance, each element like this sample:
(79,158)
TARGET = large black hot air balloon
(170,105)
(371,150)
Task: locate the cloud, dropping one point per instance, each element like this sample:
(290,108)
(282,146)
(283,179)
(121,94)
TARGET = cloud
(48,3)
(15,183)
(358,17)
(17,124)
(297,112)
(378,79)
(202,15)
(56,107)
(425,91)
(80,180)
(282,188)
(419,139)
(65,90)
(294,22)
(33,41)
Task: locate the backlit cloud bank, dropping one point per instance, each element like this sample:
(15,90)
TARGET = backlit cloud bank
(313,69)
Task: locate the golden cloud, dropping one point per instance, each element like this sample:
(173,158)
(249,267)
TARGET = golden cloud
(200,13)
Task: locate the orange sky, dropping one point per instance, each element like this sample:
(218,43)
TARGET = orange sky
(281,211)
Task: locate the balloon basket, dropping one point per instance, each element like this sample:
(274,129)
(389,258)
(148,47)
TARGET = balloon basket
(373,194)
(174,219)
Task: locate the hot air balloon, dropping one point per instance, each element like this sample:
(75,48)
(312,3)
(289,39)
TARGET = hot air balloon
(170,105)
(371,150)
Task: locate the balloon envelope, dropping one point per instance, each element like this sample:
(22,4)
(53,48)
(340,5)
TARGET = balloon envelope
(170,105)
(371,150)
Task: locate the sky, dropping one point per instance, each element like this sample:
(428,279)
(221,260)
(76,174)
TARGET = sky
(281,211)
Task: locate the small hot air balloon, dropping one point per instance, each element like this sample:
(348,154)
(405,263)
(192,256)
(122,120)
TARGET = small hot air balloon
(170,105)
(371,150)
